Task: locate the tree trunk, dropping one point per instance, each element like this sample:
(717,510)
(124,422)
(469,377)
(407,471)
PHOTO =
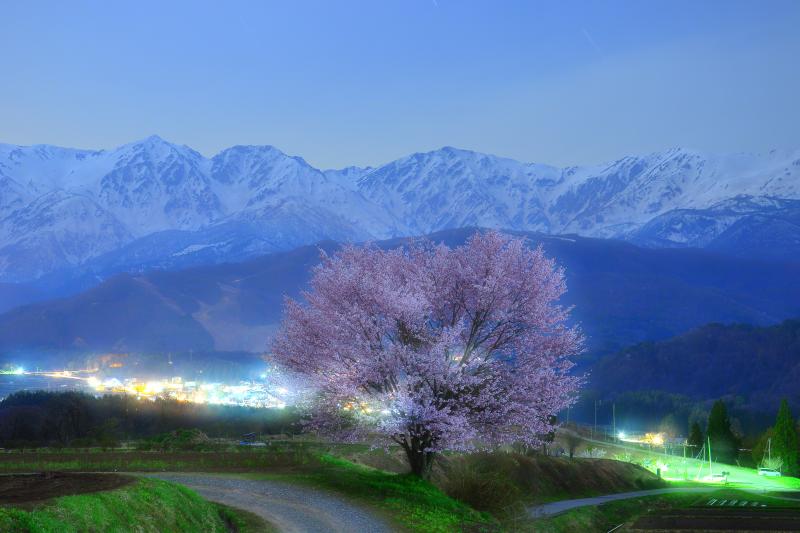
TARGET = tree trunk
(419,460)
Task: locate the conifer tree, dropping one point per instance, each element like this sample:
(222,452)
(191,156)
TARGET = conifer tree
(784,443)
(724,444)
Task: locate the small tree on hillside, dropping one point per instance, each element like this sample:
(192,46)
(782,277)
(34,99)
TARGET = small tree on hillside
(434,348)
(724,444)
(784,442)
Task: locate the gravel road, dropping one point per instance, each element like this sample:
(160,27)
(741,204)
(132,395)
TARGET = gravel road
(289,507)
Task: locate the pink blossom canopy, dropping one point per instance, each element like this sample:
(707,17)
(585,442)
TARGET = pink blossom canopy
(453,348)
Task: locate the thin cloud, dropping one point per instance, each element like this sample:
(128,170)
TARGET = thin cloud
(591,41)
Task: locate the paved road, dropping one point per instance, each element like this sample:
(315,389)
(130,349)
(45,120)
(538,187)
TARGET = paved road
(549,509)
(289,507)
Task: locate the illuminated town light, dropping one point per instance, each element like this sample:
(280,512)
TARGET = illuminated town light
(654,439)
(154,387)
(255,394)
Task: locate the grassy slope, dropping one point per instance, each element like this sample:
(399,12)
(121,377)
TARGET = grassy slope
(410,502)
(497,481)
(243,521)
(147,506)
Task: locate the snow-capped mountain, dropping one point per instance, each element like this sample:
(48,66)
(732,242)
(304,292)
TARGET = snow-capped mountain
(156,204)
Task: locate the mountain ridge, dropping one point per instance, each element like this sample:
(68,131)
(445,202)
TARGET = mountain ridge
(262,200)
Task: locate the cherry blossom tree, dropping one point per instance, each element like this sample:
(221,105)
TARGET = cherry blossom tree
(434,348)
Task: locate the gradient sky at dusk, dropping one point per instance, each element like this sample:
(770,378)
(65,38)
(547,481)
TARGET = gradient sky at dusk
(364,82)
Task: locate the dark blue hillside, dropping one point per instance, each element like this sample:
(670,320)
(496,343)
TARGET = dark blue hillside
(622,294)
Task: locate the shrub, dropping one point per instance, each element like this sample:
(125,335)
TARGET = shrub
(180,439)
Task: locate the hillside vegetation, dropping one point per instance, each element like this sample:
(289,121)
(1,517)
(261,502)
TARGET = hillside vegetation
(42,418)
(757,365)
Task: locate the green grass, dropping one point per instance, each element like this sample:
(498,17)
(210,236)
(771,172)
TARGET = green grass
(410,502)
(244,521)
(788,483)
(233,459)
(147,505)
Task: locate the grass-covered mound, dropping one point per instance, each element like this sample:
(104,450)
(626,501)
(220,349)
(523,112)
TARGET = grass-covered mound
(504,483)
(146,505)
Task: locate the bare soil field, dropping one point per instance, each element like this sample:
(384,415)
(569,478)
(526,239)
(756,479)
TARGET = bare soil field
(720,519)
(26,488)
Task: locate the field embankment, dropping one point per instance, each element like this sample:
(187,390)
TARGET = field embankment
(505,483)
(144,505)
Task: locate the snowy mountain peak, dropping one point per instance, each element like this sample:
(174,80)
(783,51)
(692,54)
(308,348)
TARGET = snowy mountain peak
(155,148)
(154,195)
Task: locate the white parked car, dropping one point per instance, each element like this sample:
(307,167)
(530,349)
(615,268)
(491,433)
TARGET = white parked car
(769,472)
(716,478)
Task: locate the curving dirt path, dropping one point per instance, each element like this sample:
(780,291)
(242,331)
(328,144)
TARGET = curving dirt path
(289,507)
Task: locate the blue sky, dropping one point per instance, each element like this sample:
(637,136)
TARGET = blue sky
(363,82)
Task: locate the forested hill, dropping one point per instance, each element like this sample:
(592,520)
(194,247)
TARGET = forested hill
(622,294)
(757,365)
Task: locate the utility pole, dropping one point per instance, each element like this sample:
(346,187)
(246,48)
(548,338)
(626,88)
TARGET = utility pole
(594,428)
(710,470)
(614,421)
(685,473)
